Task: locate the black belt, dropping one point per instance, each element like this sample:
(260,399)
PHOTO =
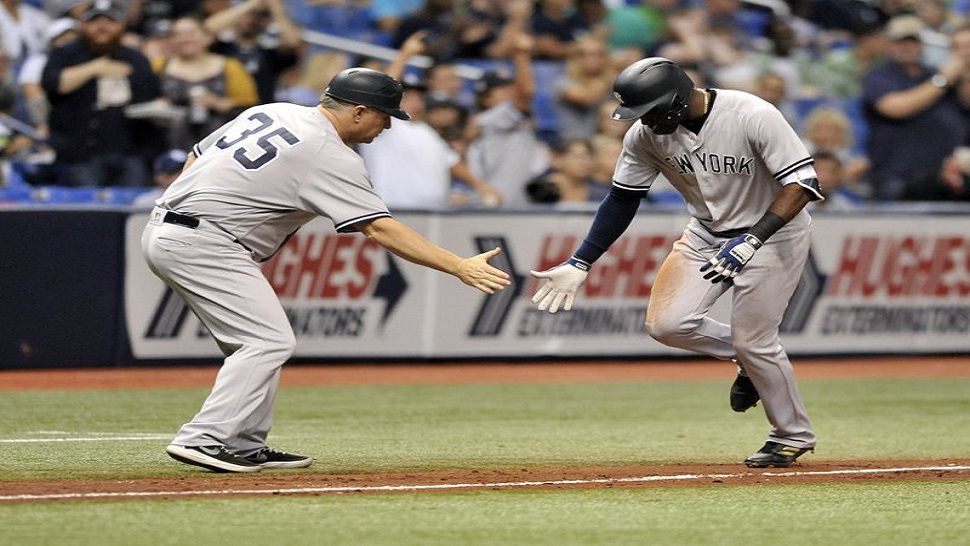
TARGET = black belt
(729,234)
(192,222)
(180,219)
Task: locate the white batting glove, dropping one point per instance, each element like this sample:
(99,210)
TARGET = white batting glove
(560,288)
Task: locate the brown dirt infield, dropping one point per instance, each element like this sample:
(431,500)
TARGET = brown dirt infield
(310,481)
(491,372)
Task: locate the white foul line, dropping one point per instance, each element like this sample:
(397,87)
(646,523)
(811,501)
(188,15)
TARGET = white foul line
(86,439)
(445,486)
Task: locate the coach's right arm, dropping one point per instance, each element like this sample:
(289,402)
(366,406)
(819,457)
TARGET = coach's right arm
(410,245)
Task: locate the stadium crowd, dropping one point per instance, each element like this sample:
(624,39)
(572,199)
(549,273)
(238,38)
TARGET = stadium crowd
(99,98)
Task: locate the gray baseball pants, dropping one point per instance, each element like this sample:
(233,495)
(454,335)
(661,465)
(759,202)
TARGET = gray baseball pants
(225,288)
(681,299)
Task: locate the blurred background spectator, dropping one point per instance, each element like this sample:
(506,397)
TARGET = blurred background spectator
(211,87)
(586,84)
(410,164)
(503,148)
(828,129)
(165,169)
(570,178)
(88,83)
(839,195)
(23,30)
(854,77)
(914,123)
(242,33)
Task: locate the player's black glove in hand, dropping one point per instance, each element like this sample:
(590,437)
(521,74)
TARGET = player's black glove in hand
(733,255)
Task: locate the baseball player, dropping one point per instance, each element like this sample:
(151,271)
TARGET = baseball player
(244,190)
(746,177)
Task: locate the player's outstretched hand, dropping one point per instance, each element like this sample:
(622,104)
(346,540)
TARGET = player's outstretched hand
(475,271)
(561,285)
(733,255)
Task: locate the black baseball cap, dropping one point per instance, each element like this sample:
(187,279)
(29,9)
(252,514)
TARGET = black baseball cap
(369,88)
(106,8)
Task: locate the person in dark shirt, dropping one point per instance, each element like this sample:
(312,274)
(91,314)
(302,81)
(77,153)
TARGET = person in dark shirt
(89,83)
(914,123)
(265,59)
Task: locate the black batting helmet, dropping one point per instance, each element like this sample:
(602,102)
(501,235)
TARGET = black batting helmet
(657,86)
(370,88)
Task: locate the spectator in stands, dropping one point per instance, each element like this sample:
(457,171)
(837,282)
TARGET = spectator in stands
(212,87)
(570,178)
(913,120)
(12,143)
(516,19)
(839,72)
(698,38)
(955,174)
(448,118)
(938,23)
(606,125)
(60,33)
(504,149)
(554,25)
(830,130)
(586,84)
(89,83)
(774,89)
(410,165)
(165,169)
(444,83)
(23,29)
(444,28)
(606,152)
(264,60)
(640,26)
(838,193)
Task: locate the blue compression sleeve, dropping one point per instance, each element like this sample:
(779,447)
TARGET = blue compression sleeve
(612,218)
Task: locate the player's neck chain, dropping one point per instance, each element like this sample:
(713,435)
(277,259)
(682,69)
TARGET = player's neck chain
(707,102)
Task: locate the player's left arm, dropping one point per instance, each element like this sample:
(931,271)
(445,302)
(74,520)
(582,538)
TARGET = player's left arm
(784,153)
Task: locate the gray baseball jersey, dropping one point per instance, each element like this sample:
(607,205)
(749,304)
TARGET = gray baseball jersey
(729,173)
(293,167)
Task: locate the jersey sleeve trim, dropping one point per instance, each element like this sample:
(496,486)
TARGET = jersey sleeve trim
(347,226)
(628,187)
(793,167)
(196,150)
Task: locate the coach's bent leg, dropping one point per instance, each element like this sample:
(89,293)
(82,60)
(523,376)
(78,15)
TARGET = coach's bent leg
(228,292)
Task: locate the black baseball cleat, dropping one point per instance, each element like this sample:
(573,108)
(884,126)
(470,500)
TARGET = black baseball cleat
(215,458)
(743,394)
(776,455)
(272,458)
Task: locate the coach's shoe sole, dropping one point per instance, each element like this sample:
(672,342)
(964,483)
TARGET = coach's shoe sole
(214,458)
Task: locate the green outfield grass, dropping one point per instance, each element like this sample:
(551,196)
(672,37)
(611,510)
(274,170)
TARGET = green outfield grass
(388,428)
(366,428)
(878,514)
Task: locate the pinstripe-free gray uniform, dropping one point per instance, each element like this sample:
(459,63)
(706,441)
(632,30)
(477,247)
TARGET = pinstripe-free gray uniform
(729,174)
(255,181)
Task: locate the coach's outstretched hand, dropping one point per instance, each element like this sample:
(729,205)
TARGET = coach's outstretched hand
(475,271)
(561,285)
